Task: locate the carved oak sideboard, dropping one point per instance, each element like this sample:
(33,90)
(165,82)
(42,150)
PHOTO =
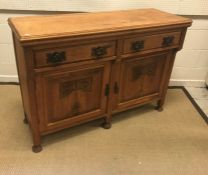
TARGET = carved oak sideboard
(75,68)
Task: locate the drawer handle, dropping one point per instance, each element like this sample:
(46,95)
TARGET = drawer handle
(167,41)
(56,57)
(137,45)
(99,52)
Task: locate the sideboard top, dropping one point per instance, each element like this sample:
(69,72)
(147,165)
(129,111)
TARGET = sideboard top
(53,26)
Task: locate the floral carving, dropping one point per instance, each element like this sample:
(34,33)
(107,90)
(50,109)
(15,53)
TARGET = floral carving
(138,71)
(66,88)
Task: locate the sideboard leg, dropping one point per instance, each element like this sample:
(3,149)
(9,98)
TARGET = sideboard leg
(159,106)
(37,148)
(25,120)
(107,123)
(36,143)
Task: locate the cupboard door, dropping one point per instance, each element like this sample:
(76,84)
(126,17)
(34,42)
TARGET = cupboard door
(140,80)
(72,96)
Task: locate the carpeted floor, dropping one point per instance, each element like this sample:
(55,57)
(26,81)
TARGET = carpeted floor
(140,142)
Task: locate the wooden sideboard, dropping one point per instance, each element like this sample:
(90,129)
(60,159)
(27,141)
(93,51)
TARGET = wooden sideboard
(75,68)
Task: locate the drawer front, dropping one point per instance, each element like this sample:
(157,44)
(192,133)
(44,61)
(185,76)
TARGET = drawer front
(142,43)
(70,54)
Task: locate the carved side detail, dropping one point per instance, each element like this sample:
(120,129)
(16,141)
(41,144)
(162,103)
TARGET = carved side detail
(66,88)
(138,71)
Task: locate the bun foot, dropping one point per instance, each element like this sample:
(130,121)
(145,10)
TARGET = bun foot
(25,120)
(106,125)
(159,108)
(37,148)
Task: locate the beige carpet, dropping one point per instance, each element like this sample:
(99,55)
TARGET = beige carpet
(140,142)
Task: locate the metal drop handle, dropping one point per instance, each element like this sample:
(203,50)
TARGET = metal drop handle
(56,57)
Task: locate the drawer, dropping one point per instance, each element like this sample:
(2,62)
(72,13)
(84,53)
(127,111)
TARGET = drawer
(69,54)
(142,43)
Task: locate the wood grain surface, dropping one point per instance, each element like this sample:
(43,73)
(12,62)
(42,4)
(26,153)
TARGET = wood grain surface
(33,27)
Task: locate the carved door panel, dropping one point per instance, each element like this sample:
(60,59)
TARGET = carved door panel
(140,80)
(72,96)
